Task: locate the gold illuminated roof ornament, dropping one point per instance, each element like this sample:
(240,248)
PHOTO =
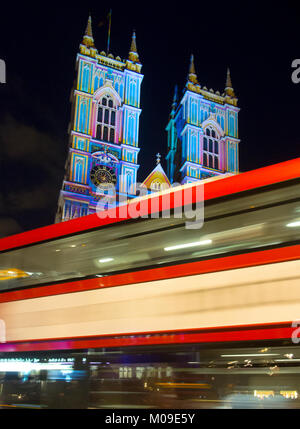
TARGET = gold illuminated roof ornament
(133,61)
(192,72)
(133,53)
(87,46)
(192,81)
(88,39)
(229,89)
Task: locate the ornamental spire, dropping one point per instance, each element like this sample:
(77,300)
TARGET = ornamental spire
(88,30)
(229,89)
(133,54)
(228,79)
(88,39)
(192,77)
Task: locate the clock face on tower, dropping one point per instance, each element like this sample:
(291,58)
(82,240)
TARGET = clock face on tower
(101,175)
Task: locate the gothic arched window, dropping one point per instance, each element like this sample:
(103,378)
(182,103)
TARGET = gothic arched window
(113,118)
(211,148)
(99,114)
(112,135)
(82,117)
(85,79)
(105,134)
(98,134)
(132,93)
(78,170)
(106,115)
(129,182)
(131,135)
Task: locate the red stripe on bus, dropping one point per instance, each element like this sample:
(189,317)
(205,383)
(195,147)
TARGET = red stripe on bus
(281,172)
(244,327)
(146,340)
(192,268)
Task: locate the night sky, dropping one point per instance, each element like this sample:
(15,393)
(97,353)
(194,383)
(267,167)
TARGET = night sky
(257,40)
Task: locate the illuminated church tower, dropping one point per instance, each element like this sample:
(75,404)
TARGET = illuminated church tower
(202,132)
(104,129)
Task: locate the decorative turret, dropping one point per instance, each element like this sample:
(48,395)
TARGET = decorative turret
(192,83)
(192,72)
(87,46)
(230,97)
(133,62)
(228,89)
(133,54)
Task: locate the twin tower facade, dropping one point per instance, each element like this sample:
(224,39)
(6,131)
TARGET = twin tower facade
(104,132)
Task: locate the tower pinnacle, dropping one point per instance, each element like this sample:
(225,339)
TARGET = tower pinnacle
(133,54)
(192,77)
(133,62)
(87,46)
(228,89)
(88,39)
(228,79)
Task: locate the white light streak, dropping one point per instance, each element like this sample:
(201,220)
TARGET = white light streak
(252,354)
(102,261)
(30,366)
(184,246)
(293,224)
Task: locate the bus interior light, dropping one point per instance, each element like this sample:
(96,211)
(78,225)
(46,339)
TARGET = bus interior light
(293,224)
(104,260)
(186,245)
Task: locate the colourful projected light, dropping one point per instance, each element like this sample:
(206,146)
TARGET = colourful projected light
(104,133)
(203,137)
(202,132)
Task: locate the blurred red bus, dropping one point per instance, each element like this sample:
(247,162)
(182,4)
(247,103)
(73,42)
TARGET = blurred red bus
(117,283)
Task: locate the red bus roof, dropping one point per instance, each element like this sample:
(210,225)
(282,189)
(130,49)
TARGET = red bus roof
(264,176)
